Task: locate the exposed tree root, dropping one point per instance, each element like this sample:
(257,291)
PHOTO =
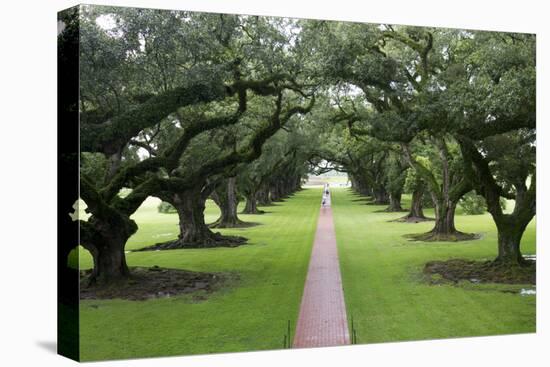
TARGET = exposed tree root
(443,237)
(409,219)
(233,224)
(215,240)
(389,210)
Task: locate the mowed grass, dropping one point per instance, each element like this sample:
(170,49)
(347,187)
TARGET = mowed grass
(383,286)
(249,314)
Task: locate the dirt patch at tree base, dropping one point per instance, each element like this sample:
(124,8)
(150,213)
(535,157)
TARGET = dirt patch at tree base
(218,241)
(387,210)
(155,282)
(239,224)
(435,237)
(412,219)
(257,212)
(456,270)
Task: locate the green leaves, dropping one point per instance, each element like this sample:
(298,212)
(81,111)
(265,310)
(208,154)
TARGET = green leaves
(174,93)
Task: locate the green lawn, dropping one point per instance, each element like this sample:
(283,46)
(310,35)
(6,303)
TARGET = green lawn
(384,293)
(250,315)
(381,273)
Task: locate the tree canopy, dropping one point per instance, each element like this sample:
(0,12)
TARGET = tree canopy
(189,106)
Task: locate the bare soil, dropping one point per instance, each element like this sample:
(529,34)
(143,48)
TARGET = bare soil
(387,210)
(155,282)
(435,237)
(239,224)
(407,219)
(217,241)
(456,270)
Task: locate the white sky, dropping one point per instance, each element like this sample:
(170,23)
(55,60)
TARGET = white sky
(106,22)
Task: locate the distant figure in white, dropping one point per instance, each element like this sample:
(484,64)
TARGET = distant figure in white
(326,193)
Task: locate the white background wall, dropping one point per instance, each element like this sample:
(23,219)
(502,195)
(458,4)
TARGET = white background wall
(27,177)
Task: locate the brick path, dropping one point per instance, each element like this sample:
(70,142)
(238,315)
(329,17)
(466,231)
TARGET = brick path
(322,321)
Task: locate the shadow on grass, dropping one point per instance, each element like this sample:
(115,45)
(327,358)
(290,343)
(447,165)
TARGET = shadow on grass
(361,199)
(274,203)
(258,212)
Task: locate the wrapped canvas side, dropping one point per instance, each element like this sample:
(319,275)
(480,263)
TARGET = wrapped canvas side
(68,31)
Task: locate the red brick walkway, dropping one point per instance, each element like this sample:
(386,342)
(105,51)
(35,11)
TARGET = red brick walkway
(322,321)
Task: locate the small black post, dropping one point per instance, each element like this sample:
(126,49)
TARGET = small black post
(352,330)
(288,329)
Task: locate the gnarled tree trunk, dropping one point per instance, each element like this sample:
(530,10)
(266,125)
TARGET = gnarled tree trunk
(360,185)
(109,261)
(510,226)
(106,241)
(274,192)
(251,204)
(416,212)
(444,208)
(193,230)
(444,218)
(225,196)
(444,228)
(194,233)
(262,196)
(509,239)
(380,196)
(395,203)
(445,195)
